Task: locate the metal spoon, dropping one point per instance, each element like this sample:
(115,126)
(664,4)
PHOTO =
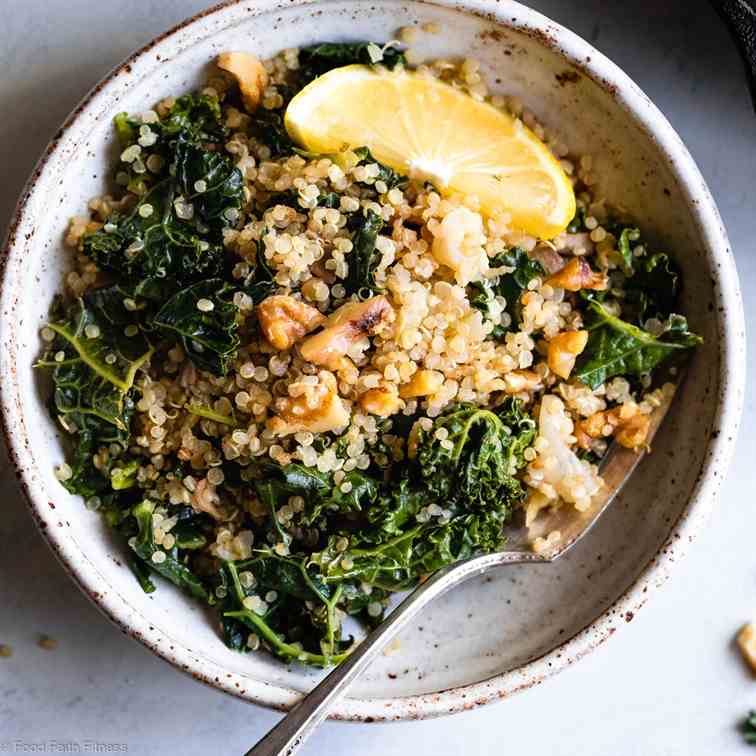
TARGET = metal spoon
(618,464)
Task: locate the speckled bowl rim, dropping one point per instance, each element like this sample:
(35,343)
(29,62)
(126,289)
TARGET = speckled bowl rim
(718,454)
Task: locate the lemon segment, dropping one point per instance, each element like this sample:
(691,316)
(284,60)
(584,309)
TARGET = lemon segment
(427,130)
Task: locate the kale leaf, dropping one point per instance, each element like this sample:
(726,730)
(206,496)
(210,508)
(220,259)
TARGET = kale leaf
(267,127)
(748,728)
(260,283)
(653,289)
(486,452)
(157,253)
(221,192)
(317,59)
(172,566)
(188,189)
(363,259)
(209,336)
(387,175)
(509,285)
(94,366)
(623,247)
(616,347)
(652,281)
(299,608)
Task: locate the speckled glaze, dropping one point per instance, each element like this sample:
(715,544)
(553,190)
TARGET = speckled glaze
(514,628)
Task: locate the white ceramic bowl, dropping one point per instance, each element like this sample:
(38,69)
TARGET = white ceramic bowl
(511,629)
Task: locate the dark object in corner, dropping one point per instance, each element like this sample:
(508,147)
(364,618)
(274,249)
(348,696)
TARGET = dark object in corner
(740,17)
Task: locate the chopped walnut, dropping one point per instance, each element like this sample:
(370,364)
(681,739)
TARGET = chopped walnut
(521,380)
(422,383)
(563,351)
(632,433)
(747,644)
(205,499)
(577,275)
(381,401)
(342,329)
(285,320)
(250,74)
(626,423)
(310,407)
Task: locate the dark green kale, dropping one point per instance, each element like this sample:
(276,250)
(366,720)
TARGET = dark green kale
(363,259)
(508,285)
(171,566)
(189,190)
(577,224)
(748,728)
(616,347)
(350,544)
(317,59)
(260,283)
(482,296)
(192,118)
(142,572)
(157,254)
(653,289)
(652,281)
(203,317)
(475,461)
(387,175)
(190,530)
(209,181)
(267,127)
(94,365)
(196,117)
(298,619)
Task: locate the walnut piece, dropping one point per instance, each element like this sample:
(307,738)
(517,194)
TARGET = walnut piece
(747,644)
(633,432)
(249,73)
(563,351)
(577,275)
(205,499)
(310,407)
(342,329)
(626,423)
(518,381)
(383,402)
(285,320)
(422,383)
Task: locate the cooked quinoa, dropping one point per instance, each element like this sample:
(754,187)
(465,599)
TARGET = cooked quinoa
(295,383)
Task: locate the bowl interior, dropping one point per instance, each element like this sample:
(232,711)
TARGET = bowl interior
(492,625)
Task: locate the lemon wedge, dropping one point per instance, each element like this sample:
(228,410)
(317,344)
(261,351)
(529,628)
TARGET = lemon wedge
(427,130)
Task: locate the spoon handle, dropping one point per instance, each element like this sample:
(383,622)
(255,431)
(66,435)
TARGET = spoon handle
(291,732)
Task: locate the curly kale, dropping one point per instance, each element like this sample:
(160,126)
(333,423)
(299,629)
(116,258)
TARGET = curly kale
(208,334)
(748,728)
(616,347)
(364,258)
(510,285)
(171,242)
(470,456)
(94,365)
(316,60)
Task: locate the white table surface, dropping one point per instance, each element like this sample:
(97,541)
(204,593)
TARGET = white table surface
(670,684)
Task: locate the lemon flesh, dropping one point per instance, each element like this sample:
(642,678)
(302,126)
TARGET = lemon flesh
(427,130)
